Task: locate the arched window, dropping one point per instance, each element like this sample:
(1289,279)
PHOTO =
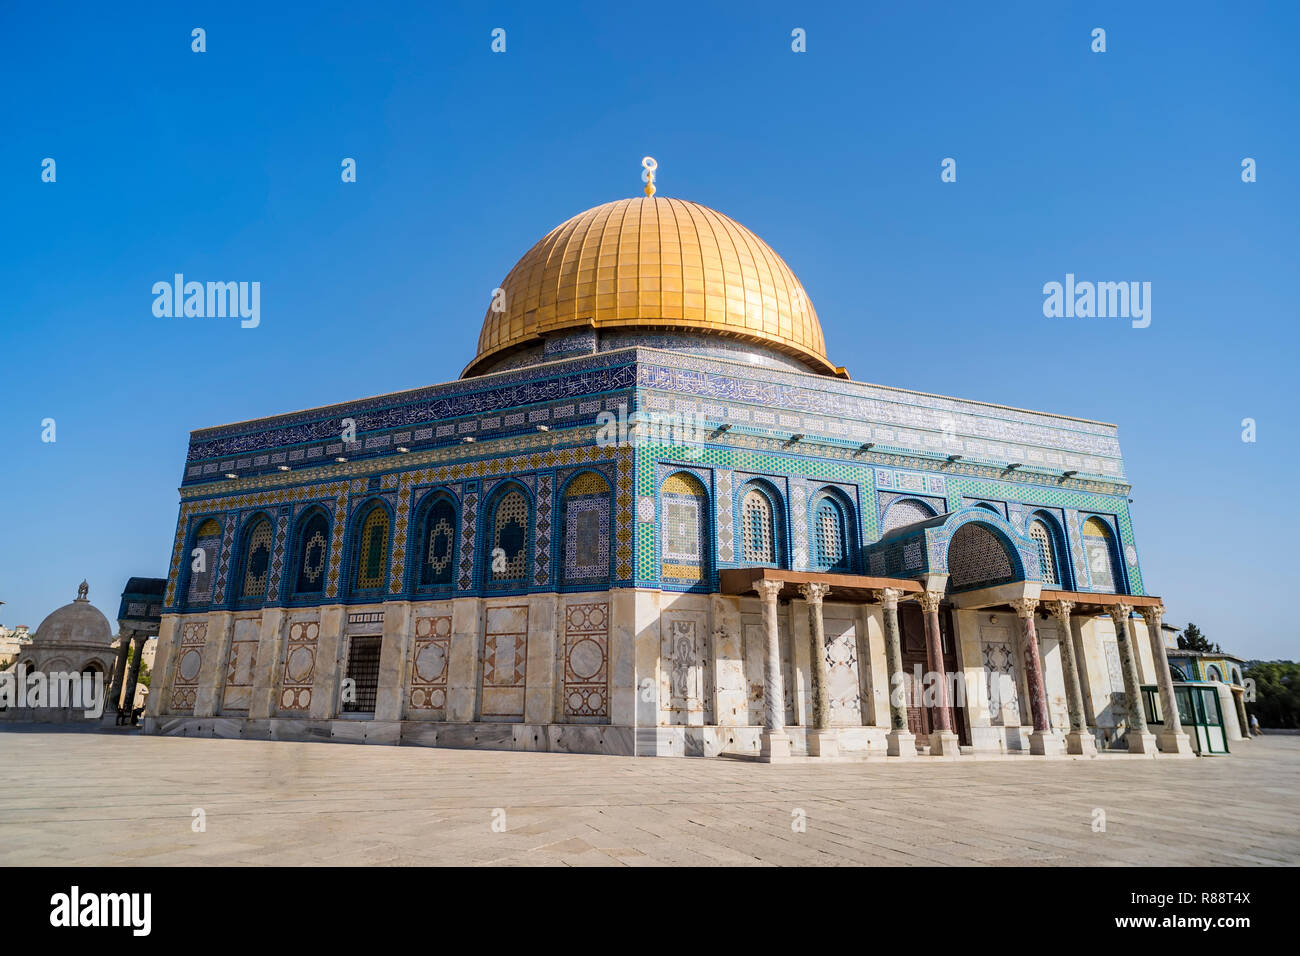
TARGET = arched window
(988,507)
(436,543)
(1176,673)
(978,558)
(507,559)
(683,506)
(1212,672)
(1097,545)
(312,555)
(203,567)
(758,528)
(905,511)
(371,554)
(1041,536)
(586,529)
(257,558)
(1236,674)
(830,533)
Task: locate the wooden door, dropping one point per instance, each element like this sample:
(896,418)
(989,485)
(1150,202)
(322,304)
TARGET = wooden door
(922,720)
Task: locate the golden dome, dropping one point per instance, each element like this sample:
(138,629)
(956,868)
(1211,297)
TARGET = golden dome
(653,263)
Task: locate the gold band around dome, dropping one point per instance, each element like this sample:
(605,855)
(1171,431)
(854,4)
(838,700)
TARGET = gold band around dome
(653,263)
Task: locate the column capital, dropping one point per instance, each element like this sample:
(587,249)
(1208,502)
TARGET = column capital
(768,590)
(930,601)
(1059,609)
(889,597)
(1120,611)
(1152,615)
(814,592)
(1024,607)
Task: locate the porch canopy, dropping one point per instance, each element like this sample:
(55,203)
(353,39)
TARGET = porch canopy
(852,588)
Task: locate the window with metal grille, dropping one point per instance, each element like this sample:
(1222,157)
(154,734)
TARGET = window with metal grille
(440,543)
(829,536)
(257,559)
(313,552)
(681,528)
(759,538)
(1043,538)
(372,554)
(905,511)
(508,559)
(203,568)
(1096,546)
(363,669)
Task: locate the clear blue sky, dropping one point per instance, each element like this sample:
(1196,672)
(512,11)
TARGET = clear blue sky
(225,165)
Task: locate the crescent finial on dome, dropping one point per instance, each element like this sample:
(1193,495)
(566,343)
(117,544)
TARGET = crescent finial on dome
(648,166)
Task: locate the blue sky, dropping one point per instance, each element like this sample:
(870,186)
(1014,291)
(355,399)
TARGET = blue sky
(1116,166)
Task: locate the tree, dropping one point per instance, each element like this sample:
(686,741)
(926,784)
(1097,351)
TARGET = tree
(1277,693)
(1193,640)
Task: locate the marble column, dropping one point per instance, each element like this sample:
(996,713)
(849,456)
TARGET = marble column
(1140,740)
(900,741)
(943,741)
(822,741)
(774,743)
(1079,739)
(1172,739)
(1042,741)
(137,658)
(119,673)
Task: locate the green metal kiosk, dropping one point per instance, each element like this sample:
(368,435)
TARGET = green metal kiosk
(1199,711)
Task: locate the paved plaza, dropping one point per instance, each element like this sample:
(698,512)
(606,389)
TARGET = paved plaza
(70,798)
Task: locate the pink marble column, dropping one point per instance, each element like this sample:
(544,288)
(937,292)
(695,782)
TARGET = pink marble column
(1024,609)
(943,739)
(1042,740)
(934,655)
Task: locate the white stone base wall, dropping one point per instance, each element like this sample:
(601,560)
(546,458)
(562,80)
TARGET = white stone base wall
(625,671)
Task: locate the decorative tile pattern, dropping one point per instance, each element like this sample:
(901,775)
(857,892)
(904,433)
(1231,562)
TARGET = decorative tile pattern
(468,524)
(505,661)
(189,662)
(1000,675)
(241,666)
(726,534)
(277,558)
(542,530)
(684,672)
(299,666)
(429,654)
(227,543)
(586,529)
(799,550)
(844,688)
(586,660)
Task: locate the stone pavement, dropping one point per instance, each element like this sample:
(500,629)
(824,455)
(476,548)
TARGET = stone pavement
(80,798)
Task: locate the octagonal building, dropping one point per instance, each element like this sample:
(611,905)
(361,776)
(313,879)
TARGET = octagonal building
(653,517)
